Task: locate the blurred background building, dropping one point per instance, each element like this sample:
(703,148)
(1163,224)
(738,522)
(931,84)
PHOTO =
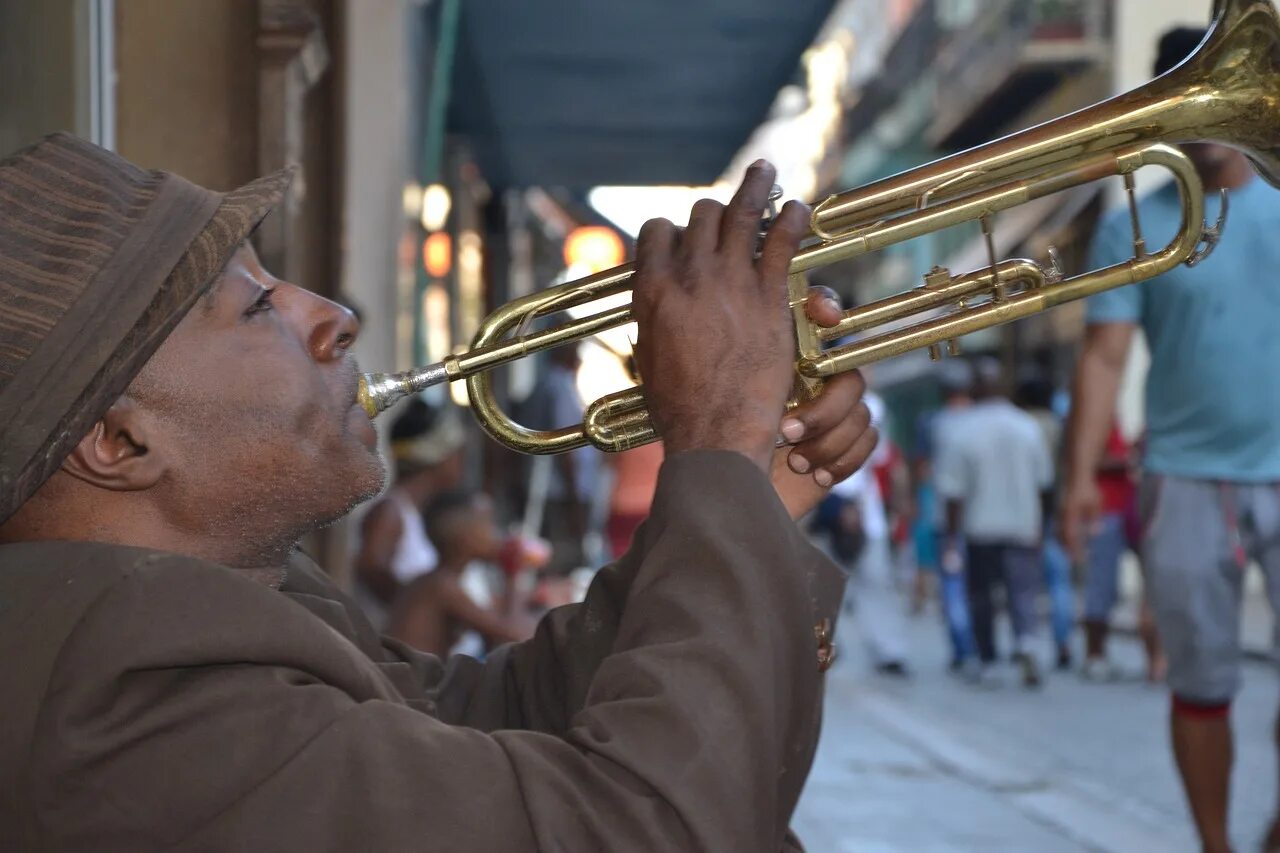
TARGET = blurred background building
(457,155)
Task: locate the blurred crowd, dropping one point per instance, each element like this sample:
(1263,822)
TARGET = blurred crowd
(960,523)
(436,567)
(965,518)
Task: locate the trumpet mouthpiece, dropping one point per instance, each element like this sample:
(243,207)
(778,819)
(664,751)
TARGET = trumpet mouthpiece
(377,392)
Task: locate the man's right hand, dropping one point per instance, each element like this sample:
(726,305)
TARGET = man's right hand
(1081,509)
(716,346)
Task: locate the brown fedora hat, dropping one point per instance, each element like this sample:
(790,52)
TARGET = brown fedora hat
(99,261)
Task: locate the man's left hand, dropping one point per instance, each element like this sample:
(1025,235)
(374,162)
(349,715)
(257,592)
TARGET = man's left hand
(828,438)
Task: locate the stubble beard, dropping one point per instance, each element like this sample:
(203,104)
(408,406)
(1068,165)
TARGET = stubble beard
(363,480)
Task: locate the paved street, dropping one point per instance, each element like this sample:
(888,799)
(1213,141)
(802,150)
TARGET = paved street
(939,766)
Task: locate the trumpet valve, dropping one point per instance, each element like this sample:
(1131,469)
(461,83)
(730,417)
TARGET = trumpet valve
(953,347)
(937,277)
(1053,272)
(935,352)
(766,221)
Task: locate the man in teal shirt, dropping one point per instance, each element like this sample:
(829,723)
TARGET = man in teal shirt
(1211,486)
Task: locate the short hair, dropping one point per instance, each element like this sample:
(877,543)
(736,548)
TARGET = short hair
(1176,45)
(955,376)
(446,515)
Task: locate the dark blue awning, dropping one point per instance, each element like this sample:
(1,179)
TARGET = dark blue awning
(580,93)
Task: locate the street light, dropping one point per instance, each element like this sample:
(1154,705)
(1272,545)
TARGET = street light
(437,254)
(435,207)
(411,199)
(594,248)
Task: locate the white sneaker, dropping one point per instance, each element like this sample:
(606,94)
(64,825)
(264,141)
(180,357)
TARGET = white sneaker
(1099,670)
(982,675)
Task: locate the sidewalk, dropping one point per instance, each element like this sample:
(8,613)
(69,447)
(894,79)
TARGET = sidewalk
(939,766)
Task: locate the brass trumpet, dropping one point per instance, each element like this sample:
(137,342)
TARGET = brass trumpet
(1227,91)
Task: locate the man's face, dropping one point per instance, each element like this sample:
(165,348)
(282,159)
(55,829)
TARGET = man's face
(251,401)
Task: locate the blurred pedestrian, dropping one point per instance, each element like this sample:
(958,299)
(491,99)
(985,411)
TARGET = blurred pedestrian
(894,479)
(437,610)
(575,476)
(1035,395)
(876,596)
(955,378)
(995,474)
(427,447)
(1210,490)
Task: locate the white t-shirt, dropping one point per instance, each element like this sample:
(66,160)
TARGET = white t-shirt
(995,460)
(414,555)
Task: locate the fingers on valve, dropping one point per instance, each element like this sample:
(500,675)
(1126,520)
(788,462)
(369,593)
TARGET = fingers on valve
(655,245)
(703,233)
(849,461)
(823,306)
(841,399)
(783,240)
(825,448)
(740,226)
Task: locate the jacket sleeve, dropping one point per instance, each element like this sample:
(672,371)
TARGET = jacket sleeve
(695,733)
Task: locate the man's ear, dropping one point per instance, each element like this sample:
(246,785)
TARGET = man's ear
(115,454)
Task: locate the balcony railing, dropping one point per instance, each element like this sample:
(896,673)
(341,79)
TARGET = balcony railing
(1011,53)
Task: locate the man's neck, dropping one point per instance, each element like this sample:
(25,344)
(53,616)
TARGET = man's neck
(141,529)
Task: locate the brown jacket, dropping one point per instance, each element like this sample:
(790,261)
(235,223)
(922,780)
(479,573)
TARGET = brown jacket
(158,702)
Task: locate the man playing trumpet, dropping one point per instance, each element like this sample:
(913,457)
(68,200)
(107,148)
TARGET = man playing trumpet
(178,676)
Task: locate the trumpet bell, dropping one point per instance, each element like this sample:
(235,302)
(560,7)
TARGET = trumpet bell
(1228,90)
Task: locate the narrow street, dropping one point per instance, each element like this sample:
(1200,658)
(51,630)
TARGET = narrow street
(936,765)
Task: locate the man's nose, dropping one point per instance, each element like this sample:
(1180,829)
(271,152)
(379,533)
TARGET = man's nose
(333,329)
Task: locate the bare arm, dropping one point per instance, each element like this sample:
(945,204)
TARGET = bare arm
(1093,408)
(379,533)
(494,627)
(1115,463)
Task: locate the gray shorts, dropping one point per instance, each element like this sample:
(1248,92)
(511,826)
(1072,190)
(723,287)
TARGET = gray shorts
(1198,537)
